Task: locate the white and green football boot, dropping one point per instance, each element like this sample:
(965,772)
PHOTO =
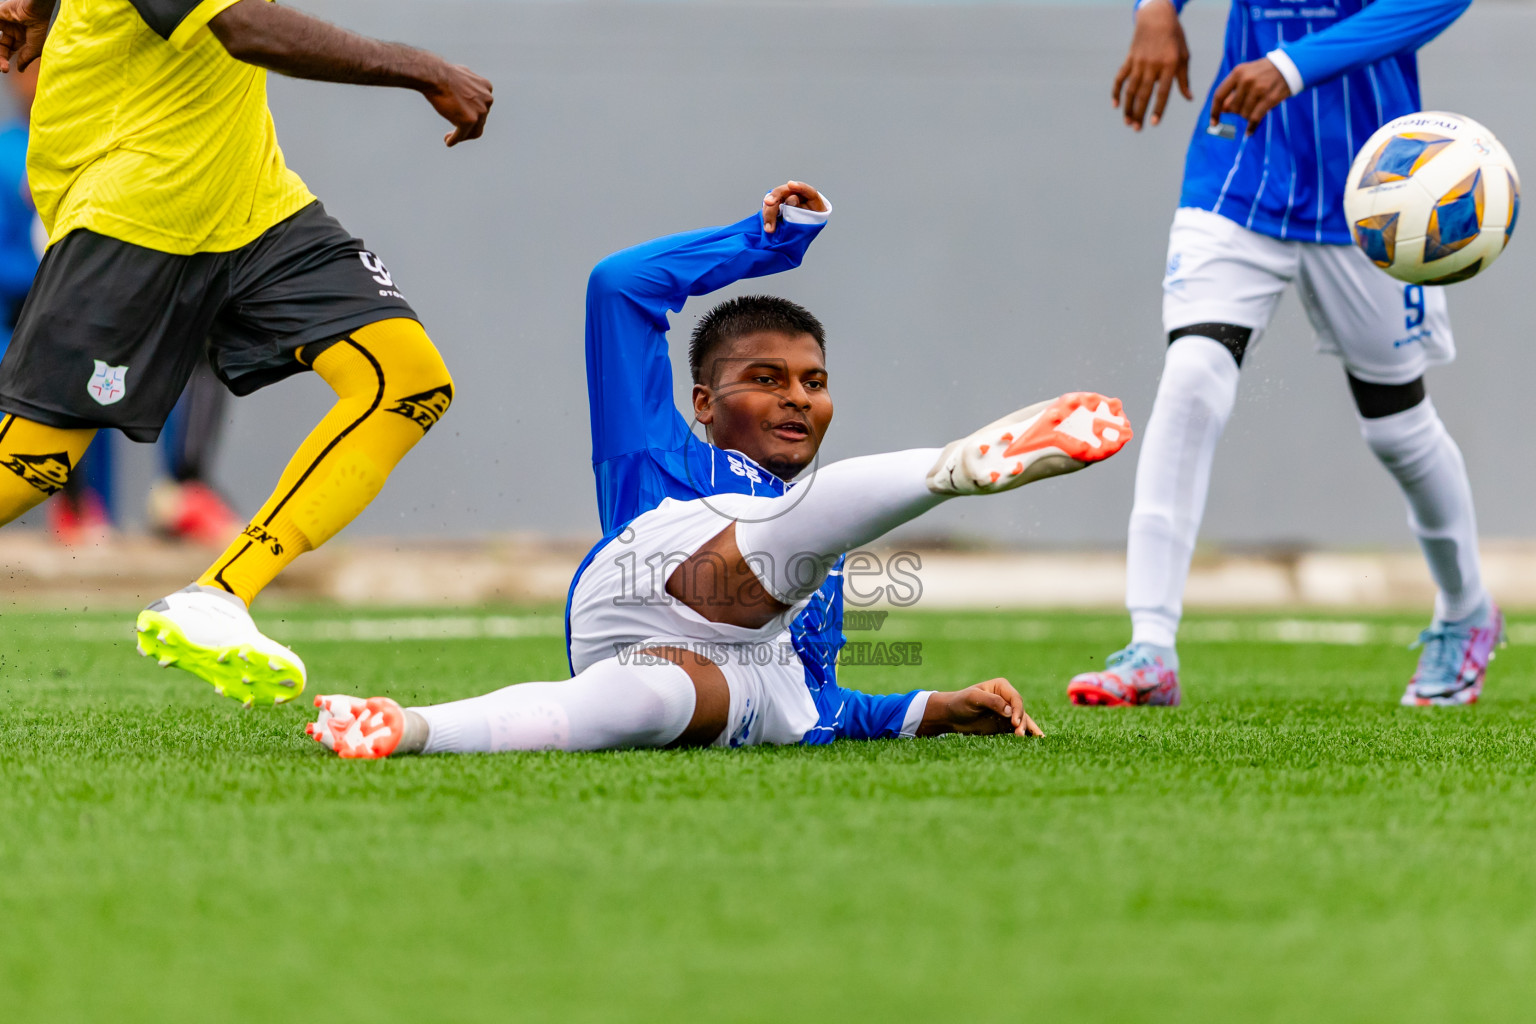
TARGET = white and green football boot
(211,634)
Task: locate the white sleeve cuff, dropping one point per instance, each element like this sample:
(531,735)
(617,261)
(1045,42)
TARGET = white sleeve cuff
(1142,3)
(915,712)
(800,215)
(1288,70)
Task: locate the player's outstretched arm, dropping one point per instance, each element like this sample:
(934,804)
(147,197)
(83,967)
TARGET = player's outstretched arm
(1158,57)
(661,274)
(23,28)
(630,292)
(986,709)
(293,43)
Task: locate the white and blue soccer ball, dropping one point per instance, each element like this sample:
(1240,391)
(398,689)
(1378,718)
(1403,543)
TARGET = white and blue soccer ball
(1432,198)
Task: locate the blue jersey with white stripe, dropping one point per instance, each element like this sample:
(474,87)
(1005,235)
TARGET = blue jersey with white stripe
(1358,71)
(643,450)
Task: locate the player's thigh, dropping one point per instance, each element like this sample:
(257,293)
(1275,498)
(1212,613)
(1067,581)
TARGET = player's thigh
(711,692)
(620,595)
(1220,272)
(307,283)
(1385,331)
(108,335)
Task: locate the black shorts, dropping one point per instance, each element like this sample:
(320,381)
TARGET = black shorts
(111,331)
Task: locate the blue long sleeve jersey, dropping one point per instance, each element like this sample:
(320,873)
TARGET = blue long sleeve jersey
(1358,71)
(643,450)
(18,256)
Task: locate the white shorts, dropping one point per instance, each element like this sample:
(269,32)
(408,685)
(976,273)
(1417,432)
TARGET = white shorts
(620,605)
(1385,331)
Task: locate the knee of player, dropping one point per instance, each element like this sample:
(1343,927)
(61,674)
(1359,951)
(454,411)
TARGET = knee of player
(416,380)
(1232,337)
(423,398)
(1379,401)
(1199,388)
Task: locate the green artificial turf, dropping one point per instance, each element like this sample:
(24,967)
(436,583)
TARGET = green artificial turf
(1288,846)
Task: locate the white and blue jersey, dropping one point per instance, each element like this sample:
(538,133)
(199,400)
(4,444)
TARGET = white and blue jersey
(644,451)
(1351,67)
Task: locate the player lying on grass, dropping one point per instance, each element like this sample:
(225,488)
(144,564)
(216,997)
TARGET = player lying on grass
(176,234)
(711,611)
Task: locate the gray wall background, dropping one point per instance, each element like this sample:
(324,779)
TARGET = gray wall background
(999,237)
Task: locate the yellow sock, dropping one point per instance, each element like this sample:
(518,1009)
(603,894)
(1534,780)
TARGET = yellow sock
(391,387)
(39,460)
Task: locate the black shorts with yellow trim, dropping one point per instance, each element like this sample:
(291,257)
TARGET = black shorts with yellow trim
(111,331)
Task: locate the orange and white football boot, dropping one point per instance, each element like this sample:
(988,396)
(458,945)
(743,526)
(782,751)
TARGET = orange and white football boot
(357,728)
(1062,435)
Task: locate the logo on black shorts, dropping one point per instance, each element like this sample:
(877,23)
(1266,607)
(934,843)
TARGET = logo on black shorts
(381,274)
(108,384)
(426,408)
(47,473)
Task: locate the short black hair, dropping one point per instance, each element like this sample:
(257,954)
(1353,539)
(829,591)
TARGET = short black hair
(749,314)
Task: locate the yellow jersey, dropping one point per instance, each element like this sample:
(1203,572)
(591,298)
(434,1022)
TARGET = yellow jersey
(145,129)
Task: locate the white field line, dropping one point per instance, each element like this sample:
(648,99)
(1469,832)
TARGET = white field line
(424,627)
(1207,631)
(502,627)
(415,627)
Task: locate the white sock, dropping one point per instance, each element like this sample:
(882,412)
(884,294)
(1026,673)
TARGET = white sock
(837,509)
(1417,449)
(609,705)
(1173,475)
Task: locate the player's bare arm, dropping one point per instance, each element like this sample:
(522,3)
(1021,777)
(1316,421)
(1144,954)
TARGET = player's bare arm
(1250,91)
(23,28)
(1158,58)
(293,43)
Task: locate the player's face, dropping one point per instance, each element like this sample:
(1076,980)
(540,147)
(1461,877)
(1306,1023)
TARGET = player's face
(768,400)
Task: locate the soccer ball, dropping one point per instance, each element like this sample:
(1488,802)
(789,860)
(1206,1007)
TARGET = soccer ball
(1432,198)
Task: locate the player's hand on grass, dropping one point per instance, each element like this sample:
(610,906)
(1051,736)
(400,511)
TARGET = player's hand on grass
(464,99)
(986,709)
(791,193)
(1250,91)
(1158,58)
(23,27)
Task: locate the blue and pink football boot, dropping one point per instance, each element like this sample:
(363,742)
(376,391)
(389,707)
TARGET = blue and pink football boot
(1141,674)
(1453,659)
